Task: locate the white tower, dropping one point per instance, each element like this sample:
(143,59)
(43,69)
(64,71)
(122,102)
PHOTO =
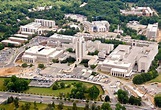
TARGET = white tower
(80,49)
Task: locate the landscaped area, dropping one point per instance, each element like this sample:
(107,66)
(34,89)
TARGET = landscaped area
(157,79)
(39,106)
(49,91)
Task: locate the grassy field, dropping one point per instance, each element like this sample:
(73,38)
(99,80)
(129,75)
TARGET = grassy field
(49,91)
(157,79)
(1,34)
(1,84)
(39,106)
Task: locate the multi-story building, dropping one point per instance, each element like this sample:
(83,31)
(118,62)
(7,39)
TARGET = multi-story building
(124,58)
(152,31)
(80,49)
(96,26)
(38,26)
(46,23)
(42,54)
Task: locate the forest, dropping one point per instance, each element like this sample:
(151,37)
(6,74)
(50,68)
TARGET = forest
(14,13)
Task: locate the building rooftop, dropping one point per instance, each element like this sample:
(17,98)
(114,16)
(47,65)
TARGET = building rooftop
(40,50)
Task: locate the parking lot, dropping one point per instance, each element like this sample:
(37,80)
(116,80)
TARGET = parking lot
(5,55)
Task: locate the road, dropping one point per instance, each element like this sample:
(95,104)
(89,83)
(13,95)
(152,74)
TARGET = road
(34,41)
(49,99)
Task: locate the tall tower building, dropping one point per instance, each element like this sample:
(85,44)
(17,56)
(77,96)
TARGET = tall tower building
(80,49)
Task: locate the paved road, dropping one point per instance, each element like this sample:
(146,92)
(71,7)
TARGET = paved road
(48,99)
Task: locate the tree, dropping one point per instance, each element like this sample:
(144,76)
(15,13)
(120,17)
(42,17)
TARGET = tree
(86,107)
(119,107)
(10,100)
(107,98)
(16,84)
(60,106)
(41,66)
(62,85)
(106,106)
(16,102)
(93,107)
(35,106)
(55,87)
(157,100)
(93,92)
(134,100)
(74,106)
(24,65)
(122,96)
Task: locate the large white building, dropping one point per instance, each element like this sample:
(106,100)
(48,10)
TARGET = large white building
(80,49)
(152,31)
(46,23)
(41,54)
(62,38)
(124,58)
(96,26)
(38,26)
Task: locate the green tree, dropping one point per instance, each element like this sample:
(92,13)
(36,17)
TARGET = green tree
(74,106)
(120,107)
(106,106)
(62,85)
(93,107)
(16,102)
(60,106)
(93,92)
(86,107)
(35,106)
(107,98)
(24,65)
(134,100)
(41,66)
(157,100)
(55,87)
(122,96)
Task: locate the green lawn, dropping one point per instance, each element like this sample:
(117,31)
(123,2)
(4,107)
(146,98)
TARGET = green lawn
(39,106)
(1,84)
(1,34)
(49,91)
(157,79)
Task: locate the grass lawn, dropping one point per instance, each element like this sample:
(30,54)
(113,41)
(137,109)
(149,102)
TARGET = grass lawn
(1,84)
(157,79)
(39,106)
(1,34)
(49,91)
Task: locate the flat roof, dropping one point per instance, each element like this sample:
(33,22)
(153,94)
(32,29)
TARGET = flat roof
(12,42)
(21,35)
(40,50)
(62,36)
(16,38)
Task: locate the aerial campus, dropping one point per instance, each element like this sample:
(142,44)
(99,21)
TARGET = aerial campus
(80,55)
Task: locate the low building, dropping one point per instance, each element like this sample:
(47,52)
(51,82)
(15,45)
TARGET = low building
(16,39)
(6,42)
(77,17)
(62,38)
(124,58)
(41,54)
(139,11)
(152,31)
(100,46)
(21,36)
